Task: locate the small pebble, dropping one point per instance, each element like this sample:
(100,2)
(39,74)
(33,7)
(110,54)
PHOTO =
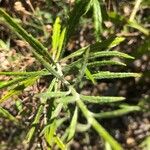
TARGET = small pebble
(130,141)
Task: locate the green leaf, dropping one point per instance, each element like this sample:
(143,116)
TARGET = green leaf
(80,8)
(26,74)
(19,105)
(99,46)
(52,94)
(96,55)
(75,54)
(61,42)
(4,113)
(117,113)
(116,42)
(83,67)
(139,27)
(34,43)
(72,127)
(60,143)
(31,132)
(19,88)
(104,63)
(66,100)
(83,127)
(4,45)
(106,44)
(101,99)
(56,34)
(107,146)
(145,145)
(49,130)
(113,75)
(6,84)
(89,75)
(109,54)
(97,18)
(74,64)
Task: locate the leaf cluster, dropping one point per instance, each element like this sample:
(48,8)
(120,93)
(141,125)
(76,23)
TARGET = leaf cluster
(62,93)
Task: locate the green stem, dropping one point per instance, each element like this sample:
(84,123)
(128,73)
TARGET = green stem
(135,9)
(97,126)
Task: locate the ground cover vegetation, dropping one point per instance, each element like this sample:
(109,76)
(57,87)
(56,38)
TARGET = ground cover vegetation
(74,74)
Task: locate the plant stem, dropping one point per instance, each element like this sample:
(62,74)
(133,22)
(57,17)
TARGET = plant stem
(97,126)
(135,9)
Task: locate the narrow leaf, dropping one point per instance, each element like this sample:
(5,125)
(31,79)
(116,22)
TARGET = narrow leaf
(113,75)
(6,84)
(89,75)
(80,8)
(116,42)
(101,99)
(4,113)
(104,63)
(26,74)
(109,54)
(18,89)
(99,46)
(55,36)
(116,113)
(75,54)
(97,18)
(34,43)
(83,67)
(60,143)
(60,44)
(52,94)
(72,127)
(31,132)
